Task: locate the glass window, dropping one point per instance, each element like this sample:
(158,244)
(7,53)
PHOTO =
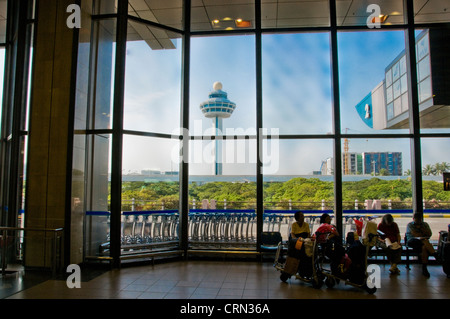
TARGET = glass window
(425,90)
(362,72)
(102,6)
(397,90)
(222,15)
(397,107)
(369,13)
(297,82)
(405,103)
(294,13)
(404,84)
(150,191)
(432,11)
(396,71)
(433,94)
(403,65)
(435,155)
(212,62)
(97,202)
(152,103)
(222,193)
(381,181)
(389,77)
(168,13)
(390,111)
(298,175)
(423,47)
(424,68)
(100,109)
(389,95)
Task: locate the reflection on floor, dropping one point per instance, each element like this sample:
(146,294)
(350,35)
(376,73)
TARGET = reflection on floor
(215,280)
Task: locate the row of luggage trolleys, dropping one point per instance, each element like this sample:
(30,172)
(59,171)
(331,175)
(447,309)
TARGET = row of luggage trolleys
(318,268)
(203,226)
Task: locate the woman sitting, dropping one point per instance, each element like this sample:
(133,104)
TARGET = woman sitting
(390,241)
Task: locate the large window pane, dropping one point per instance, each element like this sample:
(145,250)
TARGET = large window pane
(370,82)
(298,175)
(97,202)
(222,15)
(377,180)
(297,83)
(222,188)
(432,11)
(372,13)
(295,13)
(432,75)
(152,102)
(168,12)
(229,60)
(150,193)
(101,81)
(435,161)
(222,194)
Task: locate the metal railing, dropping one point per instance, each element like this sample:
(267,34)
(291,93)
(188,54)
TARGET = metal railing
(18,239)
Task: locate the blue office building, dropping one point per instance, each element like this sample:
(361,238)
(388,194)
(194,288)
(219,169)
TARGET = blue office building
(377,161)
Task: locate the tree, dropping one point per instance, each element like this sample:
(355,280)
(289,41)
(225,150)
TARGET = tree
(428,170)
(440,168)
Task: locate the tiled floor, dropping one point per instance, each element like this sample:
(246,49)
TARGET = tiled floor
(224,280)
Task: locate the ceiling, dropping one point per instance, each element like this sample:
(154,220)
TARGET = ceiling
(209,15)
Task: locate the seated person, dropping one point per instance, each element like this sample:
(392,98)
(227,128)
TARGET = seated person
(418,234)
(300,228)
(390,241)
(326,230)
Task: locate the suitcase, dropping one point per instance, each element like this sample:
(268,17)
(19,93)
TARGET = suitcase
(291,265)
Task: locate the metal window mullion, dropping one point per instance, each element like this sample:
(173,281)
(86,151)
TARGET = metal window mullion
(338,208)
(414,115)
(259,125)
(184,165)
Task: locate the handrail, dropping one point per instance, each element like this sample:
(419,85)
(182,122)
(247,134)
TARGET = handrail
(32,229)
(4,234)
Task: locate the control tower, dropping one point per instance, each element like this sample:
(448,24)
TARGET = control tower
(217,107)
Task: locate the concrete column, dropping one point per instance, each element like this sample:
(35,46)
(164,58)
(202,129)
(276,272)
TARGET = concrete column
(49,128)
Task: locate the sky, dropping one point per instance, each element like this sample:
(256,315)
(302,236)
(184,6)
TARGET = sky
(297,99)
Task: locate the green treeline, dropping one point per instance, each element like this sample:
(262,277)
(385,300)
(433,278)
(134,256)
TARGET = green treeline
(243,195)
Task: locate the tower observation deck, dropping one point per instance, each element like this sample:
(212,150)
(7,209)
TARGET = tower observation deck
(217,107)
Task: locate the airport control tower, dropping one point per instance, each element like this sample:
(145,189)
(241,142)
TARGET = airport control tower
(217,107)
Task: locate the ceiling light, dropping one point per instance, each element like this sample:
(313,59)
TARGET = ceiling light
(243,23)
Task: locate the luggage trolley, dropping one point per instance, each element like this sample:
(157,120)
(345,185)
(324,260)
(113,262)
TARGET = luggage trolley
(351,272)
(292,266)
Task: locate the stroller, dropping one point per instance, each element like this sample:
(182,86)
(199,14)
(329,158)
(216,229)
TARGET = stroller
(299,263)
(347,263)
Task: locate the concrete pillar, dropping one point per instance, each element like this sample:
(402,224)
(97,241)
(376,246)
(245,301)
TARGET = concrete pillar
(48,133)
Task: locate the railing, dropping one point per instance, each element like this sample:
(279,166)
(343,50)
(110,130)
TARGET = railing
(285,204)
(18,241)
